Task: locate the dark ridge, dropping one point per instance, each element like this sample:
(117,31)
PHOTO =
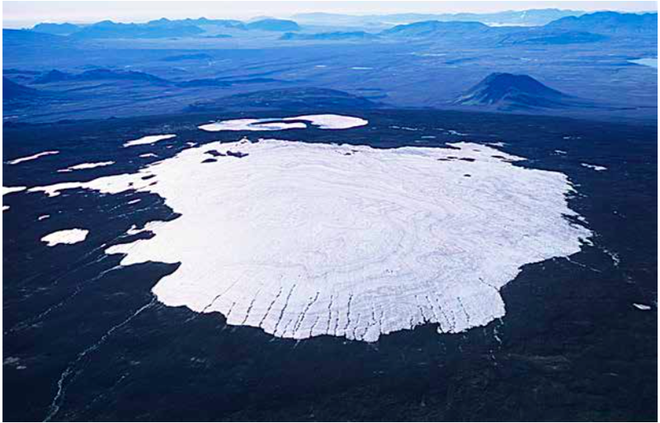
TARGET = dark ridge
(100,75)
(289,99)
(13,91)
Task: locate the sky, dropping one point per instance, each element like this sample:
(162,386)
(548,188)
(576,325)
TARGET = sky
(27,13)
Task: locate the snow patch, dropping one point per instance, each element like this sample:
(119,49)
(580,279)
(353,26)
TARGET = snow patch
(9,190)
(594,167)
(642,307)
(83,166)
(454,132)
(67,236)
(332,121)
(250,125)
(33,157)
(149,139)
(274,124)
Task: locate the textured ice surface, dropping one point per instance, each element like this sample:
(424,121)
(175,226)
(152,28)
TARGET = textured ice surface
(83,166)
(310,239)
(67,236)
(277,124)
(33,157)
(149,139)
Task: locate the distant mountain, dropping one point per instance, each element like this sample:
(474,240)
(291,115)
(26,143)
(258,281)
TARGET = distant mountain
(289,99)
(330,36)
(199,23)
(160,28)
(609,23)
(278,25)
(100,75)
(549,37)
(531,17)
(223,23)
(56,29)
(462,32)
(436,29)
(505,91)
(13,91)
(154,29)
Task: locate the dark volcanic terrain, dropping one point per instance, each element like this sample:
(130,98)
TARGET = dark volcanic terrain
(572,346)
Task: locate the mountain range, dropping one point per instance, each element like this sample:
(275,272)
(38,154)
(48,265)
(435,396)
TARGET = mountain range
(542,26)
(531,17)
(585,28)
(589,28)
(161,28)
